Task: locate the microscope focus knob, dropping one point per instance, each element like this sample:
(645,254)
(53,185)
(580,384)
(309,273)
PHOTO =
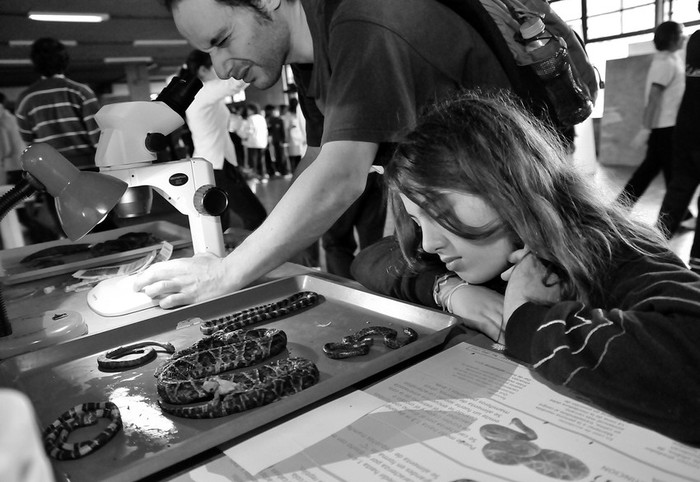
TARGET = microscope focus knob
(210,200)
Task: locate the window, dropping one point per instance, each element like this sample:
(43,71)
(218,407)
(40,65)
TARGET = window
(619,18)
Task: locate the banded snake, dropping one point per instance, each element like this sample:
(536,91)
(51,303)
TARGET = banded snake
(56,434)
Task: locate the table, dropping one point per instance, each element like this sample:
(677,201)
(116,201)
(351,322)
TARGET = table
(68,370)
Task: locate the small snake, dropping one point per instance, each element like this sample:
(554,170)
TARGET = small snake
(56,435)
(359,343)
(109,361)
(241,319)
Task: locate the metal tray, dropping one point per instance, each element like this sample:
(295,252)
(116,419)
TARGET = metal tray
(59,377)
(15,272)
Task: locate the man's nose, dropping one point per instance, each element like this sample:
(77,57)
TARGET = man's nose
(217,61)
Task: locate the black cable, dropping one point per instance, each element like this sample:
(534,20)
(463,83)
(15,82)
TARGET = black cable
(22,190)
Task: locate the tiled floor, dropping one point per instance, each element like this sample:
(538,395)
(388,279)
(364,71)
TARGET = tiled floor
(647,208)
(611,178)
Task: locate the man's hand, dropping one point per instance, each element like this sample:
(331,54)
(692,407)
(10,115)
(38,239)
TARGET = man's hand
(310,206)
(525,283)
(185,281)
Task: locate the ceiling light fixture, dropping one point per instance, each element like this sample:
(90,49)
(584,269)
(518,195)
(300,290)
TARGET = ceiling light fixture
(68,17)
(15,62)
(28,43)
(159,42)
(128,60)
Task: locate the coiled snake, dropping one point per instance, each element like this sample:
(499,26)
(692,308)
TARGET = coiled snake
(56,435)
(110,361)
(359,343)
(193,383)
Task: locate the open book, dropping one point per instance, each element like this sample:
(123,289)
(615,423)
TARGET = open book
(467,413)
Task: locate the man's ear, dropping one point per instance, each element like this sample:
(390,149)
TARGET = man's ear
(270,5)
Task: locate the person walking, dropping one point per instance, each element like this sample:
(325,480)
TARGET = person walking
(295,139)
(275,154)
(254,135)
(685,176)
(665,84)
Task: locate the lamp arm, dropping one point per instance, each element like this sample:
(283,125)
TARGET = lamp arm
(27,186)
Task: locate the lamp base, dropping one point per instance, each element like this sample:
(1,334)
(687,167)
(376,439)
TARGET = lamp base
(33,332)
(116,297)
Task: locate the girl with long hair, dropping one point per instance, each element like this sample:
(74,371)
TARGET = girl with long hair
(530,253)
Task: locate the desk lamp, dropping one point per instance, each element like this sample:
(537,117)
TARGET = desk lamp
(131,135)
(83,199)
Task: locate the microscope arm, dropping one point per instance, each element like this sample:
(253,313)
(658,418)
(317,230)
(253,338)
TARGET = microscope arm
(189,186)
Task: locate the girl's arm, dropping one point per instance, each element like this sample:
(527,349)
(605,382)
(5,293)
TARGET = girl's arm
(637,357)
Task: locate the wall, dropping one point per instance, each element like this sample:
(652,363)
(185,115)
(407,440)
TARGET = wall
(624,106)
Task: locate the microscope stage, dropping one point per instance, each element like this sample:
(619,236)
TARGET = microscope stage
(116,297)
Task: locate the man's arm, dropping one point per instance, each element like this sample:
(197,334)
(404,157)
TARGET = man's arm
(320,194)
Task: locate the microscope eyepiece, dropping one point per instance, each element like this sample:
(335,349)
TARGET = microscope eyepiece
(179,94)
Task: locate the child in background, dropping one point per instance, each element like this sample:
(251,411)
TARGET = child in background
(533,256)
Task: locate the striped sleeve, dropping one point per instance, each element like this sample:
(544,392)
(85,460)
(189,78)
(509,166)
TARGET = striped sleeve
(639,361)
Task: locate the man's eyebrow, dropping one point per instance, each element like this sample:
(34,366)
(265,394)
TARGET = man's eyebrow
(215,39)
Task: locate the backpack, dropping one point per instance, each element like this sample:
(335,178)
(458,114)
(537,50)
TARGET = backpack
(498,22)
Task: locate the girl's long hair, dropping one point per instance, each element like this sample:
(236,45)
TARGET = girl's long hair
(488,145)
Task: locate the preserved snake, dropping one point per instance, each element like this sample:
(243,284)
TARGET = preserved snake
(196,375)
(56,435)
(111,360)
(241,319)
(359,343)
(251,388)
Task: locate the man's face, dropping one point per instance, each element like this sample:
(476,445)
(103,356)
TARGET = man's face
(241,43)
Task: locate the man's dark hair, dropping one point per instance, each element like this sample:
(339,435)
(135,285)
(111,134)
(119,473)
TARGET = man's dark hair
(252,4)
(49,56)
(667,34)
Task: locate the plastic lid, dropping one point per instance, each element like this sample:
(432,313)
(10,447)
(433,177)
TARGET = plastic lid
(531,27)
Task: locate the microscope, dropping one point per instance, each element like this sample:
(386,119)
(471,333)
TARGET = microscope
(132,133)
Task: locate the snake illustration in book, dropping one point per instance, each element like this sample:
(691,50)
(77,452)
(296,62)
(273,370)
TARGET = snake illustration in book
(507,446)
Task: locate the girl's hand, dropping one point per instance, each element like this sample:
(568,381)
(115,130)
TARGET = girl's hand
(525,283)
(481,308)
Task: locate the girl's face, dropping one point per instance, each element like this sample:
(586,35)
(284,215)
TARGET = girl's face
(476,261)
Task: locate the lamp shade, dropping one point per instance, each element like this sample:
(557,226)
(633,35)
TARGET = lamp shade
(83,198)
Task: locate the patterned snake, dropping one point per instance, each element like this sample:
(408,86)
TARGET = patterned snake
(56,435)
(195,375)
(270,311)
(360,342)
(250,389)
(185,378)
